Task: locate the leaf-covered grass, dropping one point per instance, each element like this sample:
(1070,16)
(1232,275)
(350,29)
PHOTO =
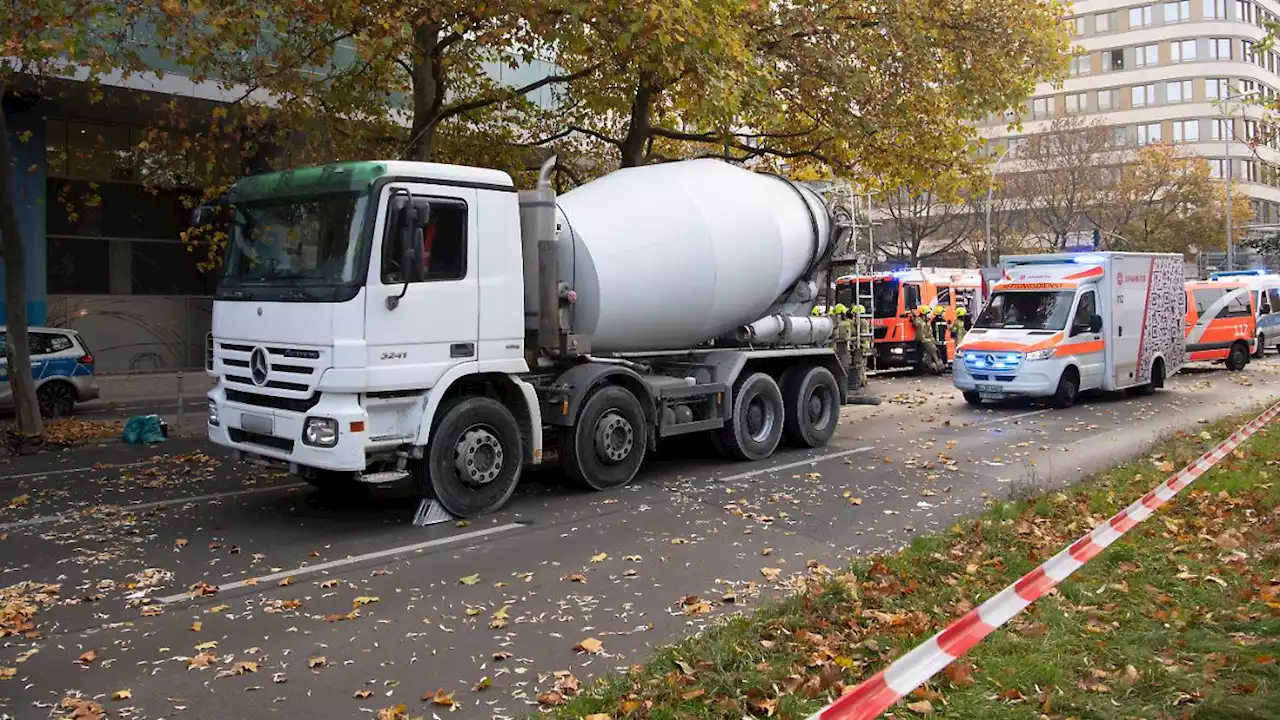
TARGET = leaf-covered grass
(1178,619)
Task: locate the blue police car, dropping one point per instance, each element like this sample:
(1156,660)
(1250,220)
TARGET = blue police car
(62,367)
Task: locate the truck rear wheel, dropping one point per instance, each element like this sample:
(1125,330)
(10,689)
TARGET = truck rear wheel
(475,457)
(608,443)
(755,428)
(811,397)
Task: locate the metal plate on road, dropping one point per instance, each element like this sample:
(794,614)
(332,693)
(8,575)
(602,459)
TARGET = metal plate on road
(260,424)
(991,389)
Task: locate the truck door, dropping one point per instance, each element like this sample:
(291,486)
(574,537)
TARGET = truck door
(435,322)
(1130,279)
(1084,344)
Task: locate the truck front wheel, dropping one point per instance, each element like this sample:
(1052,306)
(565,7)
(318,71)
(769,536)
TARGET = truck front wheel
(475,457)
(756,425)
(606,446)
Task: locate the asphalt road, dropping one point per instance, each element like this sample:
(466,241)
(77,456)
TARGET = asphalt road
(126,532)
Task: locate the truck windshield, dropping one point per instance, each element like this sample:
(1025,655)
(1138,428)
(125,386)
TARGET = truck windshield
(879,296)
(296,241)
(1027,310)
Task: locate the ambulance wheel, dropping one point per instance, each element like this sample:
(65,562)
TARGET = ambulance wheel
(973,398)
(1238,357)
(606,446)
(1157,380)
(811,397)
(475,457)
(1068,388)
(755,427)
(1261,346)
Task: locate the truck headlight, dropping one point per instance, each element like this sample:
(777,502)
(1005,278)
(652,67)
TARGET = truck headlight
(213,413)
(896,351)
(320,432)
(1044,354)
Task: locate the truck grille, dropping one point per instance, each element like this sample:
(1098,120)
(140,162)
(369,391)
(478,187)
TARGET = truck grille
(252,438)
(290,379)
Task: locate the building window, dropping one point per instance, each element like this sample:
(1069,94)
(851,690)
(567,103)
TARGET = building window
(1107,99)
(1247,54)
(1186,131)
(1081,65)
(1139,17)
(1149,134)
(1250,170)
(1104,22)
(1119,136)
(1182,50)
(1076,103)
(1215,9)
(1113,59)
(1041,108)
(1178,91)
(1219,130)
(1216,88)
(1077,26)
(1142,95)
(1147,55)
(1220,48)
(1250,130)
(1244,11)
(1216,169)
(1177,11)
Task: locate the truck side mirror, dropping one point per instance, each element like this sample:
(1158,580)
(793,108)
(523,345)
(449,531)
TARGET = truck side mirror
(1095,324)
(408,219)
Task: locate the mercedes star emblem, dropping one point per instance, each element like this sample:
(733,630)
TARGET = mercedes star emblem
(258,366)
(991,360)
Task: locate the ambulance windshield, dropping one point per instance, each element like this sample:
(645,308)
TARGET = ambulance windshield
(1027,310)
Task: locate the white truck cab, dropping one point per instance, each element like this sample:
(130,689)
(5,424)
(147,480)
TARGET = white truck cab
(1057,325)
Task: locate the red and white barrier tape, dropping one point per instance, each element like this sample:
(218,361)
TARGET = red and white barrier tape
(879,692)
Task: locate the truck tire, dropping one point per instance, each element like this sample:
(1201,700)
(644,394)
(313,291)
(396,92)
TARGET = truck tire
(1068,388)
(1238,357)
(475,457)
(755,427)
(1261,345)
(606,446)
(811,397)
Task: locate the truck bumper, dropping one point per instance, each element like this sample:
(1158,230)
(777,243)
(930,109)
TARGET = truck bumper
(897,354)
(278,434)
(1032,380)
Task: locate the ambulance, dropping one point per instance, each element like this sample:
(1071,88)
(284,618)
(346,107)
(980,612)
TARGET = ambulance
(1265,286)
(895,295)
(1058,325)
(1220,323)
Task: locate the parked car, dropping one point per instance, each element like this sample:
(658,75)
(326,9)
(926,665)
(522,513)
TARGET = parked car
(62,367)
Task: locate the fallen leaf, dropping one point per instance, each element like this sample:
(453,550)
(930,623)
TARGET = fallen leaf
(207,646)
(855,501)
(923,707)
(20,500)
(122,694)
(361,694)
(364,600)
(485,683)
(770,574)
(575,577)
(196,626)
(597,716)
(181,542)
(599,558)
(87,657)
(7,673)
(504,655)
(469,580)
(499,619)
(395,712)
(589,645)
(331,583)
(440,697)
(316,661)
(203,660)
(286,582)
(692,694)
(219,608)
(550,699)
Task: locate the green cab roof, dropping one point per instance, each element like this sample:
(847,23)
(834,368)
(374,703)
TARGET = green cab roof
(339,177)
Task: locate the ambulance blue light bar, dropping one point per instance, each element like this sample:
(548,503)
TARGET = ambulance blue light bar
(1239,273)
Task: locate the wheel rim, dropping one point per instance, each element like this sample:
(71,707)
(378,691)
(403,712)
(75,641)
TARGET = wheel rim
(820,407)
(614,437)
(761,419)
(54,399)
(478,457)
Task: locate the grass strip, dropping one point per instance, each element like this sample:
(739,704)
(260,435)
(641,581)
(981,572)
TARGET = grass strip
(1178,619)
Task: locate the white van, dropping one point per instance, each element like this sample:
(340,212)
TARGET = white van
(1061,324)
(1265,286)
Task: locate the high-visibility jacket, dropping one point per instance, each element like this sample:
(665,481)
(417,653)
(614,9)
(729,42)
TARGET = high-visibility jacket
(864,334)
(844,335)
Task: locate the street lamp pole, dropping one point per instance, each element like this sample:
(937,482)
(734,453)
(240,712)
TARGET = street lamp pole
(991,187)
(1228,131)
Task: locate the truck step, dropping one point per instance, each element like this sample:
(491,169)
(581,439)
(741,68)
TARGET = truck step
(384,477)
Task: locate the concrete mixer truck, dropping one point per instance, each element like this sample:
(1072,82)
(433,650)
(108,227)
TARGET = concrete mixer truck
(386,321)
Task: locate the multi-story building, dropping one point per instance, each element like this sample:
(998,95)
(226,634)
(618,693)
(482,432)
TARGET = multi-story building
(1172,72)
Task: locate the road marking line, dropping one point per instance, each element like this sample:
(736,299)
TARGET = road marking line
(798,463)
(76,470)
(1007,418)
(41,520)
(309,569)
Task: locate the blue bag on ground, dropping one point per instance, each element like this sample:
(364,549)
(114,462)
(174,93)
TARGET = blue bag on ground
(144,430)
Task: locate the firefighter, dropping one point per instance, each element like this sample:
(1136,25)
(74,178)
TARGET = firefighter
(842,338)
(960,326)
(861,347)
(929,360)
(940,327)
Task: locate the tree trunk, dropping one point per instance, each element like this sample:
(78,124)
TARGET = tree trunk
(640,129)
(428,92)
(16,348)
